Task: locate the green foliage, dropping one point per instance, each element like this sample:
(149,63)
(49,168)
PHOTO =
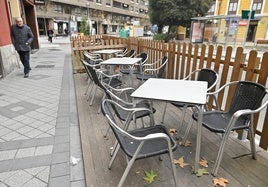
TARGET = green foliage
(149,176)
(84,27)
(176,12)
(161,36)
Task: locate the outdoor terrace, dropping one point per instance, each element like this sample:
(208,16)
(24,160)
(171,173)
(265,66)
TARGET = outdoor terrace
(237,165)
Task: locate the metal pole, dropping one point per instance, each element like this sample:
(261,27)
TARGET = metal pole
(245,38)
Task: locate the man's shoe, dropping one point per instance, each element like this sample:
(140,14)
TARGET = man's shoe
(26,75)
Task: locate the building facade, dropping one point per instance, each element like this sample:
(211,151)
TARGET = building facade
(104,16)
(9,11)
(229,20)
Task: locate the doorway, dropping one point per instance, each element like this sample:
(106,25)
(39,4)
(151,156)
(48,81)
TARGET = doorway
(252,31)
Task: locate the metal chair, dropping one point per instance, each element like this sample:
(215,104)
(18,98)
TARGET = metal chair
(131,53)
(138,143)
(203,74)
(138,67)
(92,58)
(122,53)
(154,70)
(247,100)
(112,80)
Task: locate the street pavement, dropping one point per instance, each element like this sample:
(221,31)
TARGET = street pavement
(39,131)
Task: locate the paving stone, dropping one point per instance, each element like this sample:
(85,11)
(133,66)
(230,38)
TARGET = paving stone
(25,152)
(60,157)
(60,181)
(60,169)
(61,148)
(18,178)
(80,183)
(43,150)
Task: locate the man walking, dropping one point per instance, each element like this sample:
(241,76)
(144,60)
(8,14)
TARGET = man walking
(22,37)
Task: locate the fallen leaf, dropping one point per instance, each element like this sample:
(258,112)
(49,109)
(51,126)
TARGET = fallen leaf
(220,182)
(204,163)
(180,162)
(172,131)
(202,171)
(187,143)
(149,176)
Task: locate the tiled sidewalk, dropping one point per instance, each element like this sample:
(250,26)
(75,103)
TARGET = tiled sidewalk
(39,131)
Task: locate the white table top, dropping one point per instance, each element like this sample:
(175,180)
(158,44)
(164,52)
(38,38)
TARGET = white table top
(121,61)
(107,51)
(186,91)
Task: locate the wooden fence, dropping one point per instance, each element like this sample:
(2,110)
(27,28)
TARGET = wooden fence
(231,64)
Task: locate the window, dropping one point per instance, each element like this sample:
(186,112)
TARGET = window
(211,10)
(257,6)
(77,11)
(116,4)
(108,2)
(58,8)
(98,1)
(232,9)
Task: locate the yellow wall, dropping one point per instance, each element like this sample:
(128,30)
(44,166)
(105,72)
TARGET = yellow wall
(15,9)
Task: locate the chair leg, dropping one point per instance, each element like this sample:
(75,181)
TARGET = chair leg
(114,147)
(220,153)
(252,141)
(90,90)
(183,116)
(124,176)
(93,96)
(189,126)
(173,166)
(113,156)
(164,113)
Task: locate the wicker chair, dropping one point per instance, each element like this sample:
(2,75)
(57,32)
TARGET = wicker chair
(247,100)
(139,143)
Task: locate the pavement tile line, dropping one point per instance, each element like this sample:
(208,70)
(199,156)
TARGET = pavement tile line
(39,130)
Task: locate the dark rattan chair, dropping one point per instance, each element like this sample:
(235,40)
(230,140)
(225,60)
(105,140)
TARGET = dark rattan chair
(154,70)
(203,74)
(138,67)
(112,80)
(247,100)
(138,143)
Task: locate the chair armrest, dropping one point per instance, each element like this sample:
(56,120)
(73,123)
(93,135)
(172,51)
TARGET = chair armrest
(111,76)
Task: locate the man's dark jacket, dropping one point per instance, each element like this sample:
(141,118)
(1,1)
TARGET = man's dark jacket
(21,37)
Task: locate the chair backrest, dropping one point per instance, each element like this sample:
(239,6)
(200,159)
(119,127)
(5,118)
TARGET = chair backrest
(85,64)
(124,50)
(204,74)
(132,53)
(247,95)
(144,59)
(162,67)
(94,76)
(123,137)
(209,76)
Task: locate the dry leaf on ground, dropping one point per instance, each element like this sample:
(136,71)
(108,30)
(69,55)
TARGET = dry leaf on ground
(220,182)
(172,131)
(180,162)
(204,163)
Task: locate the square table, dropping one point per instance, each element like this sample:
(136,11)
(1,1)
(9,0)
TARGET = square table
(184,91)
(122,61)
(107,52)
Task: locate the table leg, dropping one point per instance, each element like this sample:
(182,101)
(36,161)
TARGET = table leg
(198,138)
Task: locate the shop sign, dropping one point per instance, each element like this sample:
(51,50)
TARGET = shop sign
(243,23)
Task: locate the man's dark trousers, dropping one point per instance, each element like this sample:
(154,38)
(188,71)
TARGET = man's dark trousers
(25,58)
